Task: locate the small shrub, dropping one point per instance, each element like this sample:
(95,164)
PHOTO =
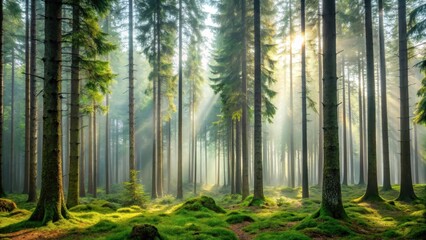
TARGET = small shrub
(167,199)
(133,193)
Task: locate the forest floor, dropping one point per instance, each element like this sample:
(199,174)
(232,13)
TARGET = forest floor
(283,216)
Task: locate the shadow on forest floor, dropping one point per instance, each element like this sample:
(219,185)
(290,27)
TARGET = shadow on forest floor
(284,215)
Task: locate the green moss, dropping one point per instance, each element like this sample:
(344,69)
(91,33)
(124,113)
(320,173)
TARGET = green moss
(391,234)
(221,233)
(288,235)
(237,218)
(102,226)
(200,204)
(261,225)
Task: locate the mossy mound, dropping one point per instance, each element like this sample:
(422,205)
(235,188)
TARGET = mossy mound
(239,218)
(145,232)
(7,205)
(200,204)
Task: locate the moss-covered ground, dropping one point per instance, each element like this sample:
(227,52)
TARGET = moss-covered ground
(283,216)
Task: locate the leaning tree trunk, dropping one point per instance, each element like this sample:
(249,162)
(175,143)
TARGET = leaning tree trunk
(407,191)
(32,188)
(74,154)
(305,183)
(2,193)
(258,175)
(372,192)
(51,205)
(385,133)
(331,204)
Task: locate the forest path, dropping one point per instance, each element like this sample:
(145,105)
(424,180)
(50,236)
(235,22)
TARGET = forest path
(34,234)
(238,230)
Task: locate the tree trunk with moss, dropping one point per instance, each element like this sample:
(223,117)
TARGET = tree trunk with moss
(258,171)
(51,205)
(407,191)
(74,154)
(372,191)
(331,204)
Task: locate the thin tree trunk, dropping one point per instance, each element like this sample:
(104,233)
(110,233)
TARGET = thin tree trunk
(305,181)
(12,126)
(361,121)
(351,154)
(2,193)
(107,131)
(385,134)
(291,142)
(238,157)
(180,109)
(416,156)
(320,100)
(345,145)
(82,190)
(258,171)
(95,154)
(32,189)
(244,146)
(169,154)
(27,98)
(407,192)
(331,204)
(90,167)
(159,117)
(132,151)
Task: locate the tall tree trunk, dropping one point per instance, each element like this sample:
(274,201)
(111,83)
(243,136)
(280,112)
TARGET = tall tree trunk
(74,130)
(2,193)
(351,154)
(407,191)
(232,123)
(27,98)
(169,154)
(90,167)
(320,100)
(305,181)
(291,165)
(361,121)
(107,131)
(258,171)
(372,191)
(385,137)
(82,190)
(154,132)
(331,204)
(159,118)
(132,151)
(12,127)
(345,145)
(32,188)
(416,156)
(180,108)
(95,153)
(117,145)
(238,157)
(244,146)
(51,205)
(205,152)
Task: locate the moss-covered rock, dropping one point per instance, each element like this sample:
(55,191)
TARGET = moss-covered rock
(7,205)
(200,203)
(145,232)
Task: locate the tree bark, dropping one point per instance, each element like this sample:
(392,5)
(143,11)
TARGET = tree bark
(159,126)
(331,204)
(180,109)
(12,127)
(132,161)
(74,130)
(2,192)
(372,192)
(345,145)
(258,171)
(407,192)
(32,188)
(244,146)
(305,181)
(51,205)
(320,100)
(27,98)
(385,134)
(291,161)
(361,121)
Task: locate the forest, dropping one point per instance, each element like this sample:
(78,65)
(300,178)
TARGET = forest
(212,119)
